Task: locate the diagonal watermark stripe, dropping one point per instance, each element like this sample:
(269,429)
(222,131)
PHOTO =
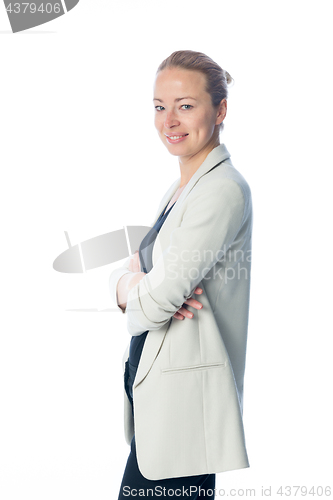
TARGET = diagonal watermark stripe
(100,250)
(25,15)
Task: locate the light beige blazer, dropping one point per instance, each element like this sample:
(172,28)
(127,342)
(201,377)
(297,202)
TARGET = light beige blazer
(188,390)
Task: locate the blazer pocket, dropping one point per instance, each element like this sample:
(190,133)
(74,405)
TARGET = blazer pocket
(192,368)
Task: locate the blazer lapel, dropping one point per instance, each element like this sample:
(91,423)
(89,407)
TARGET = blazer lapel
(214,158)
(154,339)
(151,348)
(166,198)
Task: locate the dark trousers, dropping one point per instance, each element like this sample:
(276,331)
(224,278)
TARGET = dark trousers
(190,487)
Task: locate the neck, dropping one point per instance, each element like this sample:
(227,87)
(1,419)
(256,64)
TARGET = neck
(189,164)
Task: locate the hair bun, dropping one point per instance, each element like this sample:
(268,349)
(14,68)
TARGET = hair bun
(228,77)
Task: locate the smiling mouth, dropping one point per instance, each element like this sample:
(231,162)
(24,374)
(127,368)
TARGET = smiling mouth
(173,137)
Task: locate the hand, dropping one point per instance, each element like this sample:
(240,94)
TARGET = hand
(135,267)
(129,280)
(183,312)
(134,264)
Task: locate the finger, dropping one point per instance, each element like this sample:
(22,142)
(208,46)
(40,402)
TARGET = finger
(194,303)
(198,290)
(133,266)
(178,316)
(137,261)
(185,312)
(136,267)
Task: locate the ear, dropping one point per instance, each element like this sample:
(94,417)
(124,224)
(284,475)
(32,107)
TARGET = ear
(221,112)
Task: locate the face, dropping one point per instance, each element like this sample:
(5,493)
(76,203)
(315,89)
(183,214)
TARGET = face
(185,118)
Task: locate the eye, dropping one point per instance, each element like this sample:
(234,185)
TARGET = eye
(156,107)
(188,106)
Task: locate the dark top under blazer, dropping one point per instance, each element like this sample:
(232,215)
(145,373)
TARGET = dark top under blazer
(137,342)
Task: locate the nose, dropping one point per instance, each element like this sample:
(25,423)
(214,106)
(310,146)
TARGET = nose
(171,119)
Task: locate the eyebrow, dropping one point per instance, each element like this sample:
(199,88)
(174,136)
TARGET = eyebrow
(178,99)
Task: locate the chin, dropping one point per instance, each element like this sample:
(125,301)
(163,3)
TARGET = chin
(175,149)
(172,150)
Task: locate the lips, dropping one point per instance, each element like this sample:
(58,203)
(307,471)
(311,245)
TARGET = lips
(174,139)
(176,136)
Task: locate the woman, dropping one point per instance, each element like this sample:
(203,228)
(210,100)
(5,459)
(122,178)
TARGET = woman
(184,368)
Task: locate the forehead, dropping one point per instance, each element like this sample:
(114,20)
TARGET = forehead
(172,81)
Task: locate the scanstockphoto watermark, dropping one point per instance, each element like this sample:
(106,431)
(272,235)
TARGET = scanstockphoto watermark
(175,263)
(162,491)
(224,254)
(225,274)
(224,264)
(263,491)
(25,15)
(185,492)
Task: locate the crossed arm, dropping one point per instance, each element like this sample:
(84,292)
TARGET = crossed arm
(130,279)
(213,217)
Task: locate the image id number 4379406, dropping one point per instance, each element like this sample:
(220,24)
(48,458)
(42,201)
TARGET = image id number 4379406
(294,491)
(32,8)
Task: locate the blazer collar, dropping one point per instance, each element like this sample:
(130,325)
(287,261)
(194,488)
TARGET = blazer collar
(216,156)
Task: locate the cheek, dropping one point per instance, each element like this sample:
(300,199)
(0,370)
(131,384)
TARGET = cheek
(208,123)
(158,122)
(203,125)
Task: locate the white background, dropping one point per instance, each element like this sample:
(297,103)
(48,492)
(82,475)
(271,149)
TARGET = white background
(79,152)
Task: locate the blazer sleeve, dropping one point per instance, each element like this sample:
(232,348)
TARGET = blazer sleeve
(115,277)
(214,213)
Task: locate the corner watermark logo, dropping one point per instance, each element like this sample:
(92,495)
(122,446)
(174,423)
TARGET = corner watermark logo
(25,15)
(99,251)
